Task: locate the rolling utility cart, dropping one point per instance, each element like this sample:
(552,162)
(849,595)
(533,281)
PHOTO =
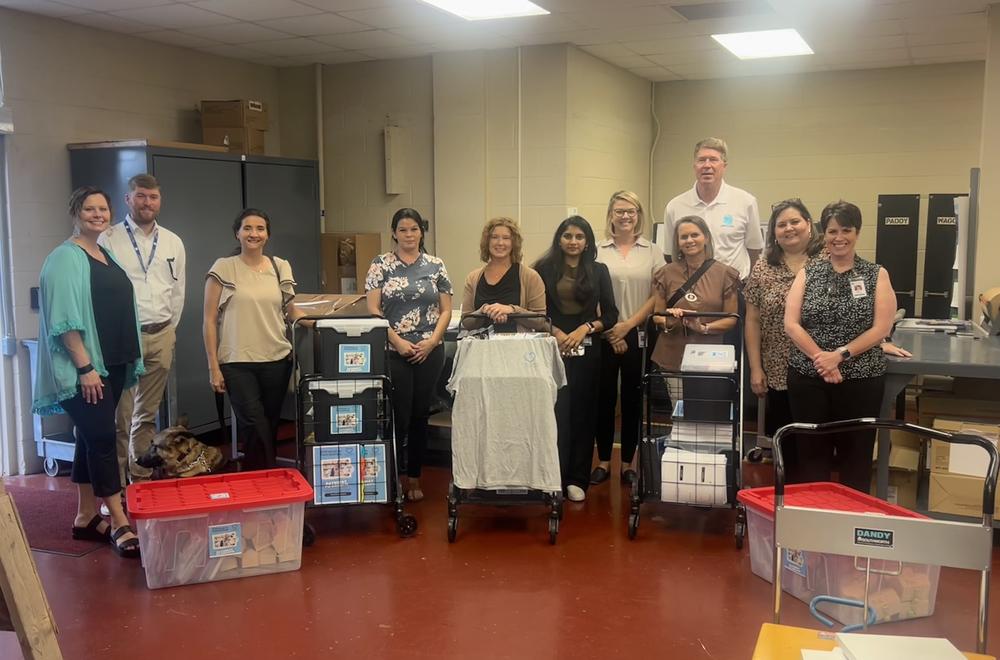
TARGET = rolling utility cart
(503,436)
(697,462)
(345,435)
(874,539)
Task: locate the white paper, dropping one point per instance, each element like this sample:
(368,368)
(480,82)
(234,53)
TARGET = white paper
(891,647)
(968,459)
(835,654)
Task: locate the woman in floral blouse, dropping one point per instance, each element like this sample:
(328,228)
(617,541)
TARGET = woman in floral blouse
(412,291)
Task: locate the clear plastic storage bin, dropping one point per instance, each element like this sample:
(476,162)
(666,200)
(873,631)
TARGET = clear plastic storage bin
(219,527)
(898,591)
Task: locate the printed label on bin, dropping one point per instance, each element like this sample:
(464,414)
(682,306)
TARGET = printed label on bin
(795,561)
(225,540)
(345,419)
(355,359)
(879,538)
(336,477)
(218,496)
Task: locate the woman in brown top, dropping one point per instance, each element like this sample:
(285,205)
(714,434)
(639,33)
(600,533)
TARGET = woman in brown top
(504,285)
(715,291)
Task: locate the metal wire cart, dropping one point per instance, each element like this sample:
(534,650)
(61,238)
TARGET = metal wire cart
(503,438)
(345,435)
(886,538)
(696,462)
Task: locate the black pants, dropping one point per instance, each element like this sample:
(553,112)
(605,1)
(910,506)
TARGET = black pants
(413,387)
(629,366)
(576,416)
(778,411)
(256,391)
(816,401)
(95,457)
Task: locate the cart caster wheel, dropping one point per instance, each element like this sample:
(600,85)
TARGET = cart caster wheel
(452,529)
(739,541)
(553,530)
(755,455)
(406,525)
(633,526)
(308,535)
(52,467)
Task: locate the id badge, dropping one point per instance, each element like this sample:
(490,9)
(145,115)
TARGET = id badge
(587,341)
(858,289)
(642,339)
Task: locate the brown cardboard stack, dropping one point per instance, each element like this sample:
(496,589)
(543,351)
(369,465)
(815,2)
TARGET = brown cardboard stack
(240,125)
(957,471)
(346,259)
(904,464)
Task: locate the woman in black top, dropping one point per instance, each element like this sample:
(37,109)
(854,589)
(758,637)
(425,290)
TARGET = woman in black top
(581,303)
(89,327)
(837,314)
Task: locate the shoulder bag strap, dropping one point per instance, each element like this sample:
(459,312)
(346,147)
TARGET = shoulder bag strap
(691,281)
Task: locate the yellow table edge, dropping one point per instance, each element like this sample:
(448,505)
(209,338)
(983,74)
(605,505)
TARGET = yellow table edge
(779,642)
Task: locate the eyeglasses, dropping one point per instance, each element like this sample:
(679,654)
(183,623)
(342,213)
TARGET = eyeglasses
(622,213)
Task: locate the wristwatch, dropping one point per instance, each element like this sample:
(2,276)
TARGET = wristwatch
(591,327)
(845,353)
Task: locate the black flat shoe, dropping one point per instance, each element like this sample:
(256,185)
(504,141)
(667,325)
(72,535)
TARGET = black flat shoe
(599,475)
(629,477)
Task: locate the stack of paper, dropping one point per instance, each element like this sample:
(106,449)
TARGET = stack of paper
(856,646)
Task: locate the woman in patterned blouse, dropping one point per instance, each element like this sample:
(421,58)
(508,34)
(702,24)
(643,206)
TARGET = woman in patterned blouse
(837,314)
(412,291)
(792,242)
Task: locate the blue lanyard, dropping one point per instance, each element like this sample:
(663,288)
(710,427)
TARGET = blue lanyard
(138,254)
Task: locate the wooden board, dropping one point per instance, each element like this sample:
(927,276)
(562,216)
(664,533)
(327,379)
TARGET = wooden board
(21,588)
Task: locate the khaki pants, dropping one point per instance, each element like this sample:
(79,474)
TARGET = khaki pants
(136,414)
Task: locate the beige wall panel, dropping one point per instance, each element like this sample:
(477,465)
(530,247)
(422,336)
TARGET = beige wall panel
(987,265)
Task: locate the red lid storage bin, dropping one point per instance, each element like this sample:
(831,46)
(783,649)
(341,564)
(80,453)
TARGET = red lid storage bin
(219,527)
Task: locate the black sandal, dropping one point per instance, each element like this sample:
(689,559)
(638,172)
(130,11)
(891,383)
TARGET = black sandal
(128,549)
(91,531)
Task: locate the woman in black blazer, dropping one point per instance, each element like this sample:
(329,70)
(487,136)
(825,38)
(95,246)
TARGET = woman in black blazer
(581,304)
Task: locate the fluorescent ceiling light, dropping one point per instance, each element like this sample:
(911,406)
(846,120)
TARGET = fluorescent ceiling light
(478,10)
(765,43)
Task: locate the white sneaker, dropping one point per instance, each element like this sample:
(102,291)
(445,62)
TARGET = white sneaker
(575,494)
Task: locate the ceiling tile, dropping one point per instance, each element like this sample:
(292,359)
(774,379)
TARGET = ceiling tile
(396,52)
(613,17)
(174,17)
(836,44)
(608,50)
(342,57)
(955,22)
(669,60)
(256,10)
(629,61)
(548,23)
(291,47)
(234,52)
(655,73)
(111,23)
(182,39)
(237,33)
(364,40)
(435,33)
(414,14)
(348,5)
(112,5)
(43,7)
(970,51)
(309,26)
(671,45)
(891,57)
(484,42)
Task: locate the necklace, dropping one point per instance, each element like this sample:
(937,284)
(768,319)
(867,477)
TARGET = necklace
(257,268)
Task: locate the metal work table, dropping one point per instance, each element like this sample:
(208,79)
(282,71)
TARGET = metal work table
(934,354)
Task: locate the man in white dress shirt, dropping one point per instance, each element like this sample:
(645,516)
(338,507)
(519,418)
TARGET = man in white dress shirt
(153,258)
(731,213)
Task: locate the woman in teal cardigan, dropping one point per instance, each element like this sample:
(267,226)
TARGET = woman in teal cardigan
(88,352)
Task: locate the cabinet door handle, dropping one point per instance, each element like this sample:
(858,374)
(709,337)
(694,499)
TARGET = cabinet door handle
(906,293)
(938,294)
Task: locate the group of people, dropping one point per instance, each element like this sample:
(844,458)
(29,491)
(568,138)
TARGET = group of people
(817,324)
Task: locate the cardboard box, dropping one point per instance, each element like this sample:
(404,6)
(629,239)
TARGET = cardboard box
(956,494)
(904,450)
(990,300)
(242,113)
(930,407)
(985,389)
(239,140)
(325,304)
(966,460)
(346,259)
(902,487)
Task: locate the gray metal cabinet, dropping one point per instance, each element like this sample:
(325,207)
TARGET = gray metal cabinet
(203,191)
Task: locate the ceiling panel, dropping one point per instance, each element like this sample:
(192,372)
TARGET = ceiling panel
(644,36)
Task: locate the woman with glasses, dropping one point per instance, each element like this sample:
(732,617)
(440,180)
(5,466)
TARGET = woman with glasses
(632,261)
(837,314)
(581,303)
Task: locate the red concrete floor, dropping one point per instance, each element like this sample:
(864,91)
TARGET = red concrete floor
(680,590)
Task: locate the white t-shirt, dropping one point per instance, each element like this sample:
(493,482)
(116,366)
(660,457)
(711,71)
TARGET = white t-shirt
(503,423)
(732,217)
(631,275)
